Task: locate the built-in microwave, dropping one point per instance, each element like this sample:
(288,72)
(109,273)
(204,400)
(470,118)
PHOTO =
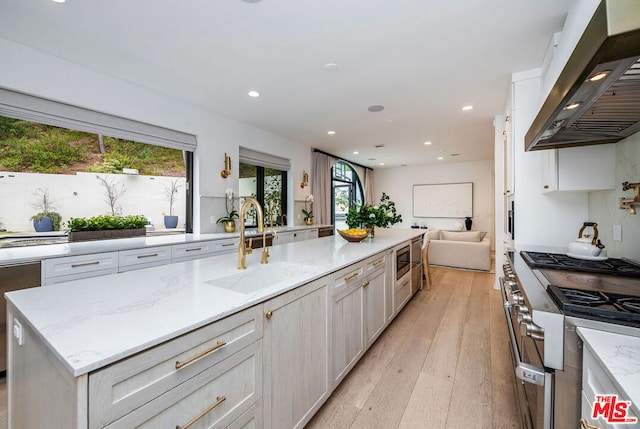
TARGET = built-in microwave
(403,261)
(511,219)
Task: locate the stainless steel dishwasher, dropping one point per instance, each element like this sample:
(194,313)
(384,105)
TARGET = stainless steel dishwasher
(14,277)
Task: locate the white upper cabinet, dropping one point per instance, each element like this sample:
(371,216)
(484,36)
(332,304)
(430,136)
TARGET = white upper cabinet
(584,168)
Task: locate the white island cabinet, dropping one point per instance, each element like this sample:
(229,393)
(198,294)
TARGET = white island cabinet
(200,343)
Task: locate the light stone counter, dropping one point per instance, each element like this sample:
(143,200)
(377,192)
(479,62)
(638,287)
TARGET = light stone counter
(17,255)
(93,322)
(619,356)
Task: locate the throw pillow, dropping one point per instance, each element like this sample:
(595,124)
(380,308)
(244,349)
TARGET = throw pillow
(434,234)
(461,236)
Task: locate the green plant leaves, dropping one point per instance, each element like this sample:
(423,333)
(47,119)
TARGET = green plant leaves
(98,223)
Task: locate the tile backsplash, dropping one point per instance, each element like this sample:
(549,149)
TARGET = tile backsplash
(603,205)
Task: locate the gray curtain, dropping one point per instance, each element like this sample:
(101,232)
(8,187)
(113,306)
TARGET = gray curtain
(368,187)
(321,187)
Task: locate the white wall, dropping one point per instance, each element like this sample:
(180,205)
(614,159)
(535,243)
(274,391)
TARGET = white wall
(81,195)
(33,72)
(603,205)
(398,184)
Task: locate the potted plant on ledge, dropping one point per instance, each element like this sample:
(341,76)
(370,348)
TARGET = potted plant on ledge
(307,211)
(229,220)
(171,192)
(106,226)
(46,219)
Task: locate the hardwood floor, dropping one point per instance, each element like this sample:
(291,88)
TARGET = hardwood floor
(443,363)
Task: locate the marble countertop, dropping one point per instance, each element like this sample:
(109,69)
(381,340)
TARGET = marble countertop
(619,356)
(93,322)
(25,254)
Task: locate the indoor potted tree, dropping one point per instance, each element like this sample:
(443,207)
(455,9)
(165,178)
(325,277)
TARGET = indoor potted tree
(229,221)
(46,219)
(171,193)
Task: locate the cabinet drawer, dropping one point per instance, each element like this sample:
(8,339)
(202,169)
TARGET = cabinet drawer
(227,245)
(375,263)
(80,266)
(142,258)
(126,385)
(188,251)
(251,419)
(213,399)
(402,292)
(346,278)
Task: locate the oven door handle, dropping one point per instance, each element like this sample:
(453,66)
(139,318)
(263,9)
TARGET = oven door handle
(524,371)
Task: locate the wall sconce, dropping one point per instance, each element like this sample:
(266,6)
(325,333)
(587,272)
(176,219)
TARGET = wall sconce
(630,203)
(227,167)
(305,179)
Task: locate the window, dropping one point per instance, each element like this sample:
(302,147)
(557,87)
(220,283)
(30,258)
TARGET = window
(347,192)
(269,187)
(74,173)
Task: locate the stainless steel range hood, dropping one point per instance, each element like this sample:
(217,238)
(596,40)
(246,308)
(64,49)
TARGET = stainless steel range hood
(606,110)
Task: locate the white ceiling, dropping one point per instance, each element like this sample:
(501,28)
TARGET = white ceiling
(422,59)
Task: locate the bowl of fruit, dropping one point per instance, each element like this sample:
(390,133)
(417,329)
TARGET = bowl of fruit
(353,235)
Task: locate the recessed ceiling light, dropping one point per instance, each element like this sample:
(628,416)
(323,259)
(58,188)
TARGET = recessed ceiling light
(467,107)
(598,76)
(331,132)
(355,152)
(440,158)
(253,94)
(59,1)
(382,163)
(572,106)
(331,67)
(375,108)
(427,143)
(251,1)
(389,121)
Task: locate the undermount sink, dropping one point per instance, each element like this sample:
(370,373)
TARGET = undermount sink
(263,276)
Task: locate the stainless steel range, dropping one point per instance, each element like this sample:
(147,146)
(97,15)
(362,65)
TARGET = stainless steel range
(547,296)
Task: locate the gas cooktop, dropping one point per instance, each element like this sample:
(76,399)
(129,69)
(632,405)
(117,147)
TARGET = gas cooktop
(559,261)
(597,305)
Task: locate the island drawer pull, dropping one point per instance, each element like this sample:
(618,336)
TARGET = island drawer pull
(194,249)
(365,284)
(85,264)
(378,262)
(200,355)
(219,400)
(150,255)
(228,244)
(351,276)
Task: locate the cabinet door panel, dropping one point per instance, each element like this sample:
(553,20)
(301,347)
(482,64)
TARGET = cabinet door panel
(374,306)
(296,355)
(347,331)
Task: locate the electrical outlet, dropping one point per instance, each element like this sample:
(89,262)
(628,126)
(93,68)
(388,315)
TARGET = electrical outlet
(18,332)
(212,220)
(617,232)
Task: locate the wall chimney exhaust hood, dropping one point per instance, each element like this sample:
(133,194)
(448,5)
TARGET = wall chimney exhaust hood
(581,110)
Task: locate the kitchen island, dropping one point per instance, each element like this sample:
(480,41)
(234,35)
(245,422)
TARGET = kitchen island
(120,330)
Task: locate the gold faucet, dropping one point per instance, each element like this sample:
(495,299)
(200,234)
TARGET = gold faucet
(265,249)
(282,220)
(243,249)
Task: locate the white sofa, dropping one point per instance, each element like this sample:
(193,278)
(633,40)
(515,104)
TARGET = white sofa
(459,249)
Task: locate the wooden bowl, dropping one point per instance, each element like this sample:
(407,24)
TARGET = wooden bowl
(353,238)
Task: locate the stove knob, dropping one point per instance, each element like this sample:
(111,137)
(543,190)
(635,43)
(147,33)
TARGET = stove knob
(517,298)
(524,316)
(530,329)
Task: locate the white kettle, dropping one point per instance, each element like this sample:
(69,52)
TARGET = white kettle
(587,246)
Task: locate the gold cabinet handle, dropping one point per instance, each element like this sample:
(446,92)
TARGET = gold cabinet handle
(586,425)
(378,262)
(219,400)
(195,249)
(200,355)
(268,314)
(546,186)
(85,264)
(351,276)
(150,255)
(365,284)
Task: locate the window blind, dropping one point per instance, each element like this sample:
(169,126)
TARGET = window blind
(261,159)
(31,108)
